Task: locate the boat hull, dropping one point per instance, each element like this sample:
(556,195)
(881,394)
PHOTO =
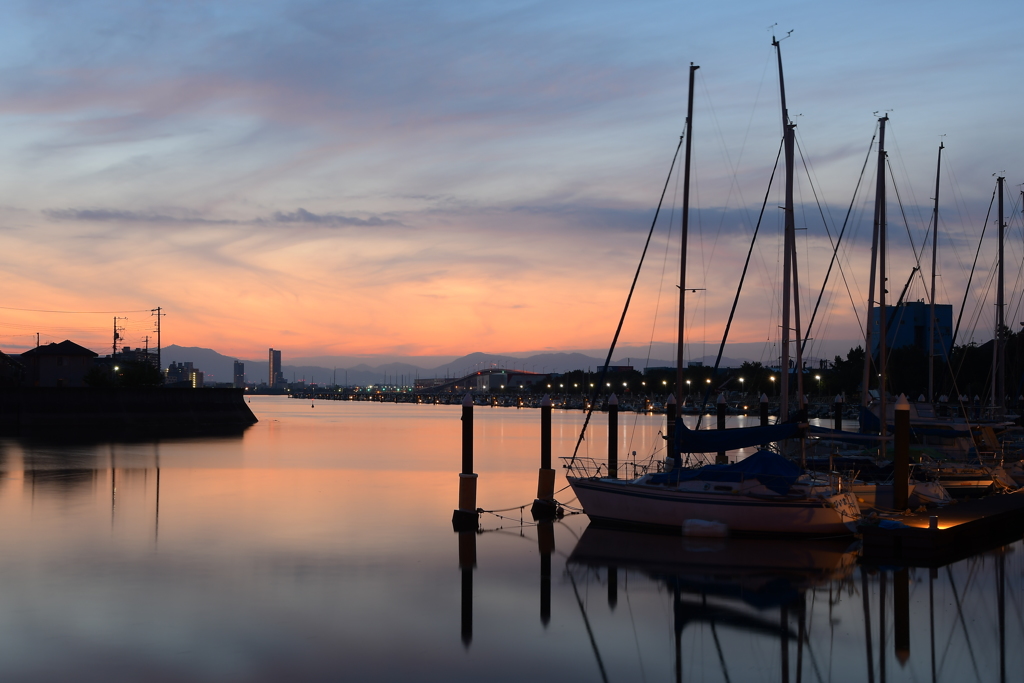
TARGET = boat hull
(624,502)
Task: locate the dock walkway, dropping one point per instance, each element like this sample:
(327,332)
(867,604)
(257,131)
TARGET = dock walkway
(963,529)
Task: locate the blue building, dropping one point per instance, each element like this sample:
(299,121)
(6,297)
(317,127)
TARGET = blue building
(907,325)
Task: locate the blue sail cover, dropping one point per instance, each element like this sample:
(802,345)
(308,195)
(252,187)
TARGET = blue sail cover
(770,469)
(870,424)
(715,440)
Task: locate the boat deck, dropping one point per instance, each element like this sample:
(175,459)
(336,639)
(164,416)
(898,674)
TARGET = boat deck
(963,529)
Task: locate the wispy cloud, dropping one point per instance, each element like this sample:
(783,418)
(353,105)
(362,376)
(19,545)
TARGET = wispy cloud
(120,215)
(332,219)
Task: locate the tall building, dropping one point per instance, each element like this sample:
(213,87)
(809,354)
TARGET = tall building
(274,376)
(239,382)
(907,325)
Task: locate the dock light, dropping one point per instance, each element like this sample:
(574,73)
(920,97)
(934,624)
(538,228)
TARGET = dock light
(609,383)
(665,382)
(623,384)
(116,368)
(708,380)
(561,386)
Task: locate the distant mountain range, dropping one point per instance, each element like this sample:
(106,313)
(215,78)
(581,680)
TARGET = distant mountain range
(217,367)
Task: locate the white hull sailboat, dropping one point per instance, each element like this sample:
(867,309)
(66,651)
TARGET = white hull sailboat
(763,494)
(747,508)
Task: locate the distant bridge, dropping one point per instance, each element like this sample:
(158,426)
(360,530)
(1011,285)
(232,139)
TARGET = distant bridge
(471,381)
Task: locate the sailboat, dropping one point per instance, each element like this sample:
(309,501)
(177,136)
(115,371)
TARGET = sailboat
(762,494)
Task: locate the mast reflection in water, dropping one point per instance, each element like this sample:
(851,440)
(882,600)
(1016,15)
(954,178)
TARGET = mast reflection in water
(318,546)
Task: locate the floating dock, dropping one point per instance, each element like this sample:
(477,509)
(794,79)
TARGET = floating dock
(960,530)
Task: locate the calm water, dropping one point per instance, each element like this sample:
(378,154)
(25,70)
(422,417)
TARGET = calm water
(319,547)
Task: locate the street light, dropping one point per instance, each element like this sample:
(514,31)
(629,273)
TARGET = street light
(772,378)
(818,377)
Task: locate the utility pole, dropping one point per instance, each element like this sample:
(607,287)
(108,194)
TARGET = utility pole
(117,334)
(157,312)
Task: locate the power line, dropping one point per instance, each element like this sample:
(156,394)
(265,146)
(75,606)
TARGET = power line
(37,310)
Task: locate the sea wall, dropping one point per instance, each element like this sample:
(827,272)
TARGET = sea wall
(85,412)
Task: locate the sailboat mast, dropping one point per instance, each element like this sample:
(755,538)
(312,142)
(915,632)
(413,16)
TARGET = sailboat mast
(999,365)
(883,335)
(789,244)
(931,306)
(682,248)
(869,319)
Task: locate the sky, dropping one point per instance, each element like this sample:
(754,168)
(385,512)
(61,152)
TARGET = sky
(402,179)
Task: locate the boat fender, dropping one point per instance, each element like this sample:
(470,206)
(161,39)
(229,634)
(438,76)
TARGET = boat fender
(705,528)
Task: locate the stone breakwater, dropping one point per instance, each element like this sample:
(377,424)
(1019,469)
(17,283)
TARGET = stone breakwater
(70,413)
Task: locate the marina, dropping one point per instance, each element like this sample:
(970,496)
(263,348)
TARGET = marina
(319,541)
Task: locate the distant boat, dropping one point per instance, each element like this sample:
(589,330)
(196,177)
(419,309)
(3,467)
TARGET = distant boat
(763,494)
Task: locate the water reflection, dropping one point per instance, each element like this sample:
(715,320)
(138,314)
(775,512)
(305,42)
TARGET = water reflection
(319,547)
(731,584)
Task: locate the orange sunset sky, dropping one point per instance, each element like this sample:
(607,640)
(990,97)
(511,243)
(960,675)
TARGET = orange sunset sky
(402,180)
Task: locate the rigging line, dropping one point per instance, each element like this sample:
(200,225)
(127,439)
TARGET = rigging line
(917,256)
(721,656)
(590,632)
(39,310)
(636,638)
(622,318)
(967,289)
(743,275)
(960,618)
(839,240)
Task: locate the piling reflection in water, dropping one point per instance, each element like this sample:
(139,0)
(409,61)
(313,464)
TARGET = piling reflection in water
(727,596)
(322,544)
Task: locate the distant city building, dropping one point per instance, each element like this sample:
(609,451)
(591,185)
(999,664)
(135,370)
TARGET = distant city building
(182,375)
(57,365)
(429,383)
(907,325)
(239,382)
(130,355)
(275,378)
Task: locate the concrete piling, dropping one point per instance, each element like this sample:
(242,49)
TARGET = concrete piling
(721,458)
(901,607)
(613,437)
(544,505)
(613,586)
(901,462)
(671,413)
(466,516)
(546,546)
(837,413)
(467,563)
